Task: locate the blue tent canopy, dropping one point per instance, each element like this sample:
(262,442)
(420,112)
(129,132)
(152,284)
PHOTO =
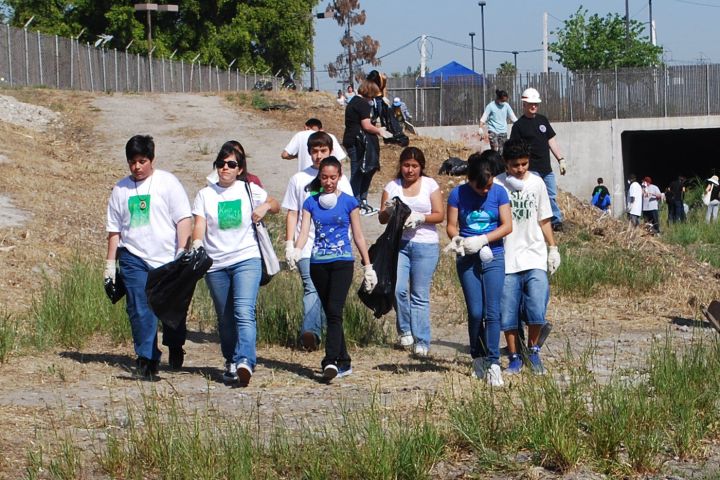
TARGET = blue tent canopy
(453,72)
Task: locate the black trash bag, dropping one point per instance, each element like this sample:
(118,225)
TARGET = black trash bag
(384,257)
(115,290)
(453,166)
(170,287)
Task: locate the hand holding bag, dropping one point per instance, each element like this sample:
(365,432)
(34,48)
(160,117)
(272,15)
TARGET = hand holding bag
(270,263)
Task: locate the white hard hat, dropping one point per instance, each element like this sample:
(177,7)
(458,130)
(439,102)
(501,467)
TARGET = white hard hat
(396,101)
(530,95)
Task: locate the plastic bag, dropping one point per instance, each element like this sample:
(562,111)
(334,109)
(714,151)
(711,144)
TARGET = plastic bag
(115,290)
(453,166)
(384,257)
(170,287)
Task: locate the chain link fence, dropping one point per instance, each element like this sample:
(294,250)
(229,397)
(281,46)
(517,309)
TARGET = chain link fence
(34,59)
(567,97)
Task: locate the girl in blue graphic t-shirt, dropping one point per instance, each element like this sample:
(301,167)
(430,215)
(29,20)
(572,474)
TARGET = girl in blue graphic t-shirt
(478,217)
(333,213)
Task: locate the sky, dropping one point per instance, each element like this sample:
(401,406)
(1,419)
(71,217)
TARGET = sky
(686,29)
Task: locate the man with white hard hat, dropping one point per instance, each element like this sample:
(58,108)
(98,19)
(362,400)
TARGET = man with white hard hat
(535,129)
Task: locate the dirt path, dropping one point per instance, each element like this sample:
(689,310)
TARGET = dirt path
(96,383)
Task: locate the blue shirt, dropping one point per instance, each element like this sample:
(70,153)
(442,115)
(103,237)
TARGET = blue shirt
(479,214)
(332,240)
(496,116)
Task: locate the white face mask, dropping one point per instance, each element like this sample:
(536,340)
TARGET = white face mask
(327,200)
(515,183)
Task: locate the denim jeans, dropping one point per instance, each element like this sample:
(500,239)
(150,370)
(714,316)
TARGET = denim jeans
(529,288)
(551,185)
(143,321)
(313,314)
(234,291)
(712,211)
(416,265)
(332,281)
(482,286)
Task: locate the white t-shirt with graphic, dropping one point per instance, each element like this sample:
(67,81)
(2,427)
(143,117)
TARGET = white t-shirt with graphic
(525,247)
(425,232)
(146,213)
(298,146)
(229,236)
(295,196)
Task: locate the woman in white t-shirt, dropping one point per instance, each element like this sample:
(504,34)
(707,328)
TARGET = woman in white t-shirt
(419,247)
(223,214)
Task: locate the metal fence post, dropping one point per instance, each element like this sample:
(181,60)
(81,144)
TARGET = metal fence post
(9,42)
(27,60)
(707,86)
(665,82)
(117,86)
(163,72)
(57,63)
(150,70)
(441,100)
(570,85)
(137,55)
(40,62)
(104,70)
(182,74)
(616,93)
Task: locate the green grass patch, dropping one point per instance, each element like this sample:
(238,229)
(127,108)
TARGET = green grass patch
(8,335)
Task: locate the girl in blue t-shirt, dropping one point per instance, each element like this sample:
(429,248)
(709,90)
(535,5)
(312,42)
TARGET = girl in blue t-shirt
(333,213)
(478,217)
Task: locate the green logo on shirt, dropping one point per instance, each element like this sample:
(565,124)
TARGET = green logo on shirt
(229,214)
(139,207)
(523,205)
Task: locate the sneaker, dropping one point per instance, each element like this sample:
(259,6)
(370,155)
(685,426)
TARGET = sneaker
(230,374)
(421,350)
(309,341)
(535,361)
(330,371)
(514,364)
(344,371)
(145,368)
(176,358)
(557,227)
(244,373)
(406,340)
(494,376)
(478,368)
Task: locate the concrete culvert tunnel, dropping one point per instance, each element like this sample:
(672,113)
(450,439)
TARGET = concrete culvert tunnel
(665,154)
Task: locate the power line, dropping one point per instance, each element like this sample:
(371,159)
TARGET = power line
(699,4)
(399,48)
(464,45)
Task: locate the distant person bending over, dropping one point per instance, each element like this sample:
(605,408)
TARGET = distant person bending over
(600,197)
(397,103)
(297,147)
(650,203)
(536,131)
(494,121)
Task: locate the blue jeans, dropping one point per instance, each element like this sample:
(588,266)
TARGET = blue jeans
(416,265)
(482,285)
(313,314)
(234,291)
(529,288)
(551,185)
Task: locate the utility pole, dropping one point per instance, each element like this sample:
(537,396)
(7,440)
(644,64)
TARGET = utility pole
(652,25)
(627,24)
(472,49)
(328,13)
(545,43)
(515,54)
(148,8)
(423,55)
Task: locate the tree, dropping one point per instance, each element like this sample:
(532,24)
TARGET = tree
(596,43)
(356,52)
(506,69)
(272,35)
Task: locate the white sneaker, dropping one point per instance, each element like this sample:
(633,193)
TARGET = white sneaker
(406,340)
(421,350)
(494,376)
(244,373)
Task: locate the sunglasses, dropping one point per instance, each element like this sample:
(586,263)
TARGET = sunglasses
(230,164)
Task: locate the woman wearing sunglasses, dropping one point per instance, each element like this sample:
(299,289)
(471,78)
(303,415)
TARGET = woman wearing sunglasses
(223,214)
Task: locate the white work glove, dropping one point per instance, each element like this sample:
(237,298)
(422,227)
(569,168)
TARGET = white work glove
(384,133)
(553,259)
(456,245)
(197,243)
(563,166)
(292,254)
(370,279)
(414,220)
(389,207)
(110,270)
(474,244)
(486,254)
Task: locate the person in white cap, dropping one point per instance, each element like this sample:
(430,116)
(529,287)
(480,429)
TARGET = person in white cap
(403,108)
(713,188)
(535,129)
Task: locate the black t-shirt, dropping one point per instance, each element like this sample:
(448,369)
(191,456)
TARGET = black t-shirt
(357,110)
(676,190)
(714,193)
(536,132)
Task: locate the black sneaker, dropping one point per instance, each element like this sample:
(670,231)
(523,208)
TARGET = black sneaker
(330,371)
(146,368)
(176,357)
(557,227)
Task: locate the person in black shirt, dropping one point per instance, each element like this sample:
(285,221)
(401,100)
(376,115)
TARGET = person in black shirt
(675,197)
(535,129)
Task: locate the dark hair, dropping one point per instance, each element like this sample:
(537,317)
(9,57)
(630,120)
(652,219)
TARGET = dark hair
(140,145)
(330,161)
(313,123)
(500,94)
(236,145)
(495,160)
(319,139)
(600,180)
(230,150)
(515,148)
(632,177)
(411,153)
(480,169)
